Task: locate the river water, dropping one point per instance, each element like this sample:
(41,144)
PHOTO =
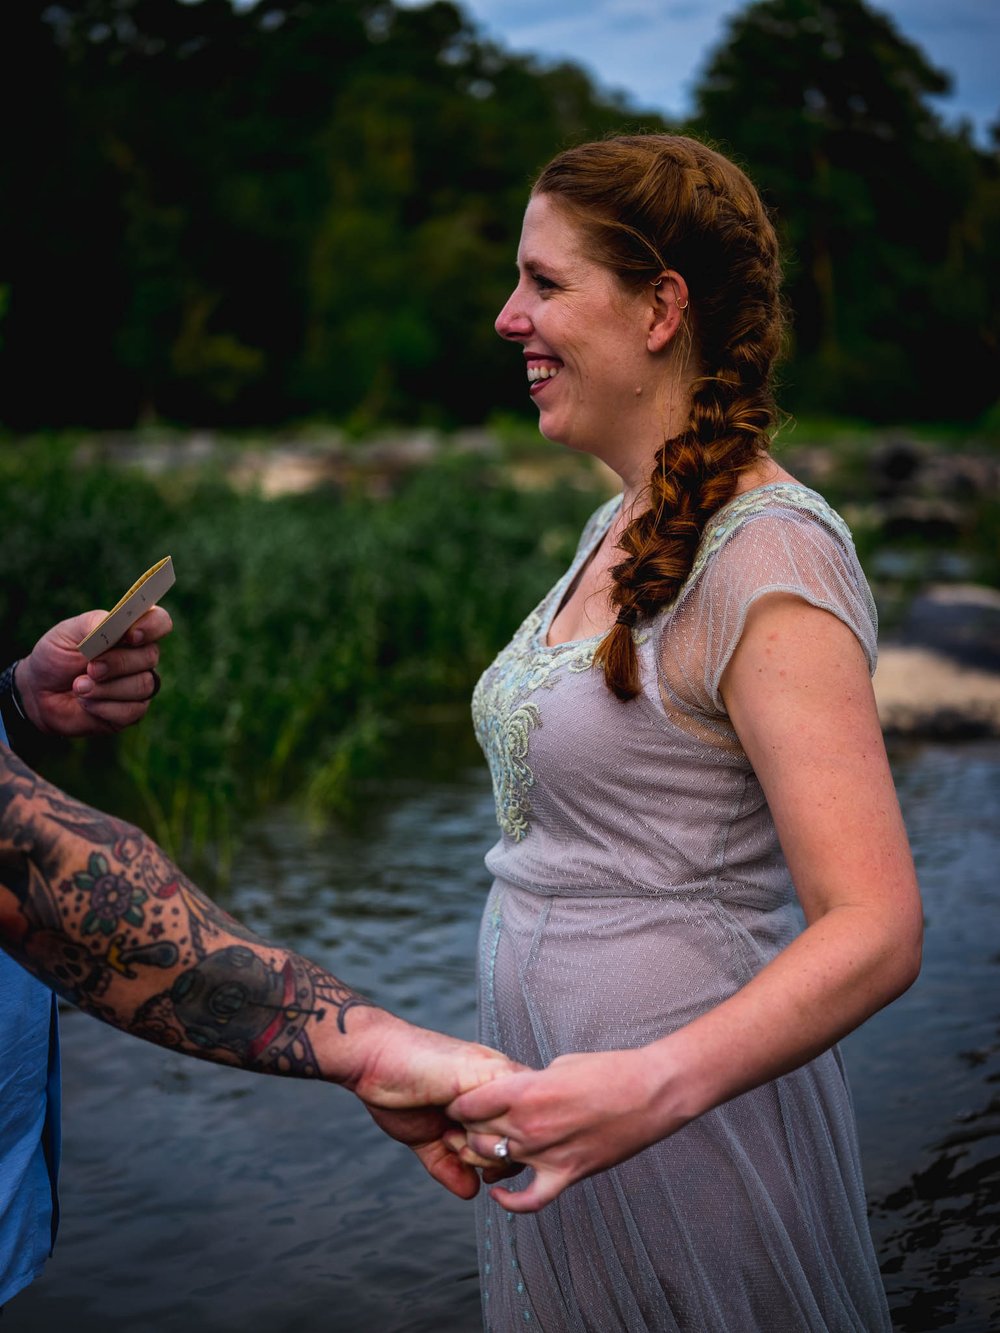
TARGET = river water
(205,1200)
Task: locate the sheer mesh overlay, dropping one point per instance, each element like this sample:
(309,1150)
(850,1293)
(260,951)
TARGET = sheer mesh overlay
(638,883)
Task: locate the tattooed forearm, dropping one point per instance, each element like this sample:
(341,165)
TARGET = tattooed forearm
(232,1000)
(97,911)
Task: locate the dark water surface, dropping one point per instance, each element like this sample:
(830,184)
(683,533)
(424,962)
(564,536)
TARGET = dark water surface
(203,1200)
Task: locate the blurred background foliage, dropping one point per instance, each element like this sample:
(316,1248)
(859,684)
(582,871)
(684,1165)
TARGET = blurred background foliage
(299,216)
(250,214)
(312,631)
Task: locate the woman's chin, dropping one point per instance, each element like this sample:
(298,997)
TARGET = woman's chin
(565,439)
(552,431)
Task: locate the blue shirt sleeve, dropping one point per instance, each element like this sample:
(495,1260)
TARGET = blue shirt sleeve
(30,1099)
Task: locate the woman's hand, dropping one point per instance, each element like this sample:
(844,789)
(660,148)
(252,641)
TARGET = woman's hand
(66,695)
(581,1115)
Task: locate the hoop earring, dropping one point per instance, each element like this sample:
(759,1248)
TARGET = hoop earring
(683,305)
(656,283)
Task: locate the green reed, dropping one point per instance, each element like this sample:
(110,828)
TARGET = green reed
(306,628)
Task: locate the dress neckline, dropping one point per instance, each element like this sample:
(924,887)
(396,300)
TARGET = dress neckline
(717,529)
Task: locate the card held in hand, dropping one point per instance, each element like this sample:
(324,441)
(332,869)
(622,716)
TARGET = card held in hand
(142,595)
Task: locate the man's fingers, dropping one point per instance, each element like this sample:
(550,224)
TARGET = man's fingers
(491,1174)
(115,716)
(120,663)
(138,688)
(68,633)
(447,1170)
(456,1142)
(149,627)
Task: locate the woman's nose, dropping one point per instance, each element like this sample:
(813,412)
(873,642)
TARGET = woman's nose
(512,322)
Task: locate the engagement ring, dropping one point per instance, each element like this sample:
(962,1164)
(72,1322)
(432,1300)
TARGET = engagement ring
(502,1149)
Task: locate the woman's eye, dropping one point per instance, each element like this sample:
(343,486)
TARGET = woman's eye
(542,283)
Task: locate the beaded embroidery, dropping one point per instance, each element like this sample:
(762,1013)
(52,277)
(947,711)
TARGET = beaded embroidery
(502,712)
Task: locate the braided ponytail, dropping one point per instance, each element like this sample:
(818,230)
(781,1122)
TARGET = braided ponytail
(645,203)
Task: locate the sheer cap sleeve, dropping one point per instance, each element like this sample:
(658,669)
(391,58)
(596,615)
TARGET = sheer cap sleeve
(783,538)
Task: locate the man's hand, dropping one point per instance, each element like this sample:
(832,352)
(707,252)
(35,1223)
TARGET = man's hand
(425,1132)
(408,1074)
(65,695)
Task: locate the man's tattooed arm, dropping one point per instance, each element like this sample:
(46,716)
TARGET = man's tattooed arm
(97,912)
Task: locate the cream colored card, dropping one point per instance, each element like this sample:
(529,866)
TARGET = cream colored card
(143,594)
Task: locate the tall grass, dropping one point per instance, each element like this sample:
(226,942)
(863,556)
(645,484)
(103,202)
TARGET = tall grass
(307,628)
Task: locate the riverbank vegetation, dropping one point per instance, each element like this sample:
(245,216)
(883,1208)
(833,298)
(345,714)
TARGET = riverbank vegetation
(307,627)
(314,629)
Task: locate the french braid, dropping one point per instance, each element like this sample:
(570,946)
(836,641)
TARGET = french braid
(646,203)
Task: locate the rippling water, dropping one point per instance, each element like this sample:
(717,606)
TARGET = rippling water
(204,1200)
(926,1071)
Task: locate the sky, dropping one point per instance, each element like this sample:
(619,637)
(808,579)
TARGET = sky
(653,50)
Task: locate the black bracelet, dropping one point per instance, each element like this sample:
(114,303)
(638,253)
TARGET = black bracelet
(8,685)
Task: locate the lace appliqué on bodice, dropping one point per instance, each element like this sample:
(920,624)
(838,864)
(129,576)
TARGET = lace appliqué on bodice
(503,713)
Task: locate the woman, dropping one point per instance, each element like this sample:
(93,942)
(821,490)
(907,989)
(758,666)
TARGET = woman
(680,732)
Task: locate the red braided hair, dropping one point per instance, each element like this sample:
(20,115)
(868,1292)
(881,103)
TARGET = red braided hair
(645,203)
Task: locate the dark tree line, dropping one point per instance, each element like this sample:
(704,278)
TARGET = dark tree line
(309,208)
(891,221)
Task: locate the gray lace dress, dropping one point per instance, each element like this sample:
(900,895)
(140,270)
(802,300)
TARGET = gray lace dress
(638,882)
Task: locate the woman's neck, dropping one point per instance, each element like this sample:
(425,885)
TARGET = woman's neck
(635,480)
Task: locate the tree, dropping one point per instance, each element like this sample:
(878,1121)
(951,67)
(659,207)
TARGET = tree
(246,214)
(827,104)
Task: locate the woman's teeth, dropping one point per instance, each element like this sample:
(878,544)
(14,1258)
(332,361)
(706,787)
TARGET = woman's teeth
(542,373)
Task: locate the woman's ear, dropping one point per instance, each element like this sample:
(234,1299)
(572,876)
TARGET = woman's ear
(670,300)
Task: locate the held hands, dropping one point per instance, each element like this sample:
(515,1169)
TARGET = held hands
(581,1115)
(409,1074)
(66,695)
(453,1101)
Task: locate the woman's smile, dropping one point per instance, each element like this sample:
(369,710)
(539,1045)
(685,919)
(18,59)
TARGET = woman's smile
(540,371)
(583,335)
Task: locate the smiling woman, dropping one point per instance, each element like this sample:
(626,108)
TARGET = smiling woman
(683,739)
(588,371)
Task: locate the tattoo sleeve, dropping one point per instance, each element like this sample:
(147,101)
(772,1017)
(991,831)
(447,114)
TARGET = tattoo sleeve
(95,910)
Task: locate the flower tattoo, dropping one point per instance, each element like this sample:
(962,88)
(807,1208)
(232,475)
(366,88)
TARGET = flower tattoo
(112,898)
